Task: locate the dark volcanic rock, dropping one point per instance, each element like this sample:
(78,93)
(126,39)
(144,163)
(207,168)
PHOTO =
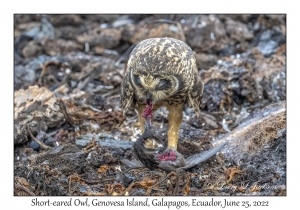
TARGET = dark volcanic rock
(209,35)
(268,41)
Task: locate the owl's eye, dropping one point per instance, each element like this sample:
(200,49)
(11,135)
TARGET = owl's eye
(163,84)
(137,80)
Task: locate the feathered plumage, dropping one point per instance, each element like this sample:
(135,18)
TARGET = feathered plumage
(163,71)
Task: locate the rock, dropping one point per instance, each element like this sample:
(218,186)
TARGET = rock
(270,76)
(105,140)
(244,18)
(66,20)
(88,118)
(101,37)
(206,61)
(97,72)
(55,167)
(192,140)
(25,75)
(247,85)
(123,20)
(209,35)
(82,62)
(66,158)
(34,145)
(26,18)
(216,95)
(32,49)
(97,101)
(271,21)
(156,28)
(204,121)
(250,76)
(128,32)
(238,31)
(44,30)
(55,47)
(101,18)
(19,44)
(68,32)
(34,108)
(106,53)
(268,41)
(24,27)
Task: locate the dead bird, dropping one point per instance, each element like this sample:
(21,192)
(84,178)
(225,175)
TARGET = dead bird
(153,153)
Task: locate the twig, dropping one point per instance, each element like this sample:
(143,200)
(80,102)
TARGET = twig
(41,144)
(150,189)
(125,55)
(175,192)
(167,177)
(114,96)
(110,92)
(195,22)
(130,187)
(187,185)
(19,187)
(91,146)
(219,112)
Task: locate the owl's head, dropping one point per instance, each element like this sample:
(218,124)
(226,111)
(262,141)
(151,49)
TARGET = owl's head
(153,87)
(160,67)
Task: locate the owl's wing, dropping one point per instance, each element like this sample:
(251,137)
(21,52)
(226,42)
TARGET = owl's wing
(132,163)
(195,95)
(200,157)
(127,95)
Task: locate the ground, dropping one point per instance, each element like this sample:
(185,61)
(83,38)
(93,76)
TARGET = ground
(70,133)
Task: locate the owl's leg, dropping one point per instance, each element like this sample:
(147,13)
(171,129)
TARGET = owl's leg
(175,119)
(141,108)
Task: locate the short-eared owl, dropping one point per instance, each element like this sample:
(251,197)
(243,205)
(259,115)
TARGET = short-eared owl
(162,71)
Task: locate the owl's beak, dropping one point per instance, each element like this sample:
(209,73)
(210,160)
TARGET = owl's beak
(148,98)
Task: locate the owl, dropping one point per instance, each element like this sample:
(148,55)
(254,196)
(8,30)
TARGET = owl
(163,72)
